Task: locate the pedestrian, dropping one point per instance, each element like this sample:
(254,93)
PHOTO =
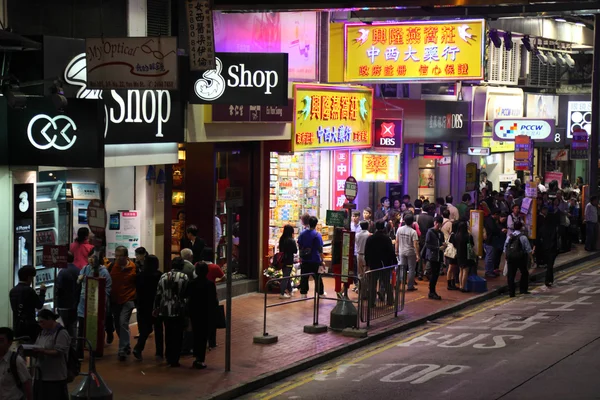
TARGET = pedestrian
(518,252)
(146,284)
(203,306)
(16,381)
(425,221)
(355,223)
(215,275)
(287,246)
(379,253)
(310,244)
(461,242)
(514,217)
(170,306)
(95,269)
(454,214)
(81,247)
(434,248)
(68,292)
(24,301)
(188,266)
(368,216)
(591,223)
(547,242)
(383,213)
(51,352)
(123,293)
(193,242)
(493,242)
(360,241)
(448,230)
(463,207)
(140,258)
(407,250)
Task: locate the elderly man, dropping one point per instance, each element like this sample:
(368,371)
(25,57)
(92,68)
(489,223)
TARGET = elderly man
(188,263)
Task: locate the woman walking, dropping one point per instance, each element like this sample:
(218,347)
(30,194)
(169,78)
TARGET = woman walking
(461,242)
(81,248)
(287,245)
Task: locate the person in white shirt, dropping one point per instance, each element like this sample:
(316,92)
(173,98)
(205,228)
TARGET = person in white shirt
(360,241)
(591,223)
(454,214)
(407,249)
(355,223)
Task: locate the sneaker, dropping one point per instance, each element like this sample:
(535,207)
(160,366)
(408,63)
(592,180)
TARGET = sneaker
(303,296)
(110,337)
(137,354)
(199,365)
(284,296)
(324,294)
(434,296)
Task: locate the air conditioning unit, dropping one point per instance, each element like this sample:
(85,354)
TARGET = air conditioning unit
(503,66)
(542,75)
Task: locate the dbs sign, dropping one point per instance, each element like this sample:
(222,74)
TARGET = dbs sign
(388,133)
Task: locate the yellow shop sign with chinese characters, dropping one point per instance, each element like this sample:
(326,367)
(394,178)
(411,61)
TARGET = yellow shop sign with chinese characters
(330,117)
(376,167)
(432,50)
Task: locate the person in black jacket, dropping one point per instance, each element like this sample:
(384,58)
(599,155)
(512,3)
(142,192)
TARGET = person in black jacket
(202,305)
(68,292)
(493,242)
(287,245)
(24,301)
(434,253)
(146,285)
(380,253)
(547,241)
(193,242)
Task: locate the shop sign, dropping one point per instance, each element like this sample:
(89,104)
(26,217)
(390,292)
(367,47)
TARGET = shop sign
(471,177)
(553,176)
(340,172)
(433,150)
(579,145)
(242,78)
(579,116)
(536,129)
(132,63)
(447,160)
(330,117)
(376,167)
(559,154)
(523,153)
(447,120)
(388,133)
(478,151)
(335,218)
(256,113)
(141,116)
(40,135)
(23,212)
(200,29)
(496,146)
(294,33)
(431,50)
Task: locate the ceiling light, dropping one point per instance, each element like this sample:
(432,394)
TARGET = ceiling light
(495,38)
(508,44)
(15,98)
(581,24)
(526,42)
(560,20)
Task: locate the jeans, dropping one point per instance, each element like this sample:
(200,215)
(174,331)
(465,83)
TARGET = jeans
(490,259)
(434,267)
(512,267)
(409,261)
(122,316)
(146,324)
(550,259)
(285,284)
(173,338)
(590,236)
(310,268)
(69,318)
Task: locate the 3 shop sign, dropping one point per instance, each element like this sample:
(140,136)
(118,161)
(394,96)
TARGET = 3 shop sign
(242,78)
(388,133)
(332,117)
(537,129)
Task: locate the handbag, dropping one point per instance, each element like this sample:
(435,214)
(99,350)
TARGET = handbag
(277,262)
(471,253)
(450,251)
(220,322)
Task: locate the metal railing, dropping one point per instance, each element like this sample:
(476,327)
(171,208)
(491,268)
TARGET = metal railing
(283,303)
(341,297)
(383,293)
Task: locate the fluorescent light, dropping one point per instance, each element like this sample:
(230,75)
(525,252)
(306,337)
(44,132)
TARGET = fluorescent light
(560,20)
(581,24)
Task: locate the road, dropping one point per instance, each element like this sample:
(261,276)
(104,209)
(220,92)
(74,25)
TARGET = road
(545,345)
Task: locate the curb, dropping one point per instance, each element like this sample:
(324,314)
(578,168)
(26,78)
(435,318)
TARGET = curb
(271,377)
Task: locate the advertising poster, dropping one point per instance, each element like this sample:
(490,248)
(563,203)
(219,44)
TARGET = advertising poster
(80,217)
(23,211)
(426,178)
(124,229)
(542,106)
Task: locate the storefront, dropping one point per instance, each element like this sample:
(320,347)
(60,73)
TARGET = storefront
(574,114)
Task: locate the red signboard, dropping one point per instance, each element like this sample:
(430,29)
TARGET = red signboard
(55,256)
(341,171)
(388,134)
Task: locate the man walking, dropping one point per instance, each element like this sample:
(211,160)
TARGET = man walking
(435,246)
(407,249)
(122,295)
(591,223)
(518,250)
(169,305)
(310,245)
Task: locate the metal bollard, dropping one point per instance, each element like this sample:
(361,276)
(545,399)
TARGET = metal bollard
(92,387)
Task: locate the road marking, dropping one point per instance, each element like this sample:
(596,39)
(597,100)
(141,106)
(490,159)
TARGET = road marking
(453,388)
(368,353)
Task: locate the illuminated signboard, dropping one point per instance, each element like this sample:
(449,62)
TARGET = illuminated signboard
(376,167)
(431,50)
(330,117)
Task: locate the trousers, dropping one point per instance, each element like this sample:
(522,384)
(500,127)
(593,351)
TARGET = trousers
(434,267)
(513,267)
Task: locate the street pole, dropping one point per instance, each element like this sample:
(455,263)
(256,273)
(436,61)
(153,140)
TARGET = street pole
(229,291)
(593,142)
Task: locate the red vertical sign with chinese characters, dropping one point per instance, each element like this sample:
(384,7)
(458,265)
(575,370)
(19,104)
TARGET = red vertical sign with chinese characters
(341,171)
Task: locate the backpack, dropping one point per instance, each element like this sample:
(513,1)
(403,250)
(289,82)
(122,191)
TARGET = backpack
(73,363)
(277,262)
(13,370)
(514,250)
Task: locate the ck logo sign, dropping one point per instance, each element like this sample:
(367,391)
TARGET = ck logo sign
(45,132)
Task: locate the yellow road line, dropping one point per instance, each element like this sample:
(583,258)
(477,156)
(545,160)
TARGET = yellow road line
(306,378)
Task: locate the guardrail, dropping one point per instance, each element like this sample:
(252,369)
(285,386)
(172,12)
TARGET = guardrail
(383,293)
(340,297)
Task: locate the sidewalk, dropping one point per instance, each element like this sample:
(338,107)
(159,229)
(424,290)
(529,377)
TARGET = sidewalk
(294,351)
